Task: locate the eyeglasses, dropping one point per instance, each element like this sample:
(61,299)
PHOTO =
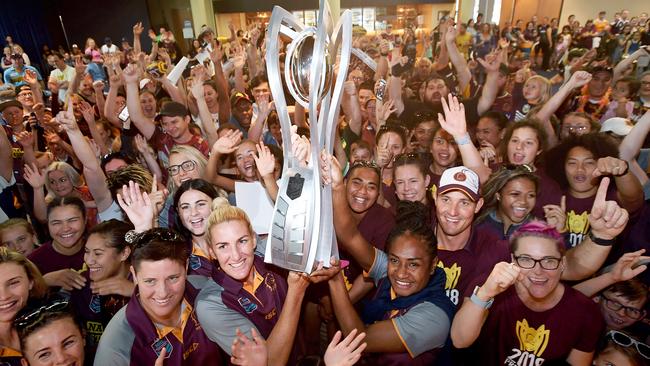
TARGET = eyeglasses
(625,340)
(141,239)
(630,312)
(548,263)
(187,166)
(30,318)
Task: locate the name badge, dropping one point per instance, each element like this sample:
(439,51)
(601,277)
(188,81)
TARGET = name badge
(95,304)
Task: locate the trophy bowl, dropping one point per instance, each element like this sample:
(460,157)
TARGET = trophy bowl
(300,61)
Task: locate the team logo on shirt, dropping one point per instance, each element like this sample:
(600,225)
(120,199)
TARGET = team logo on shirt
(532,344)
(158,345)
(452,274)
(578,226)
(95,304)
(195,262)
(247,304)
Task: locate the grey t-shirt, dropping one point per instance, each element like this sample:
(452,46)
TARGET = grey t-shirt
(424,327)
(115,345)
(218,321)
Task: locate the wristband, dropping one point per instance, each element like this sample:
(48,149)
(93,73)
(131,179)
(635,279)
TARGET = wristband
(480,303)
(627,169)
(463,140)
(600,241)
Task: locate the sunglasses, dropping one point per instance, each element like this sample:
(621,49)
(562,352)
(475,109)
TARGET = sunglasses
(625,340)
(30,318)
(139,240)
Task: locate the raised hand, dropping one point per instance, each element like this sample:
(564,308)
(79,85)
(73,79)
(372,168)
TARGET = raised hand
(626,267)
(556,215)
(454,119)
(67,119)
(130,74)
(87,111)
(265,106)
(25,139)
(249,352)
(321,274)
(491,62)
(579,78)
(53,85)
(384,110)
(137,29)
(197,89)
(330,170)
(606,219)
(30,77)
(52,138)
(297,281)
(264,160)
(487,152)
(227,143)
(238,57)
(79,66)
(346,353)
(383,156)
(503,276)
(451,34)
(157,197)
(610,166)
(137,206)
(34,176)
(350,88)
(300,147)
(142,146)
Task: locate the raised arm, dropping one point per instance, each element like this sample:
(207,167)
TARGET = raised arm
(459,62)
(226,144)
(491,87)
(633,142)
(206,117)
(116,81)
(223,90)
(89,116)
(606,220)
(144,124)
(627,62)
(137,31)
(93,172)
(454,123)
(265,164)
(257,126)
(351,107)
(627,267)
(344,223)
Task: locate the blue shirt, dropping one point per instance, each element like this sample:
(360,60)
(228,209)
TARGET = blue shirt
(96,72)
(11,76)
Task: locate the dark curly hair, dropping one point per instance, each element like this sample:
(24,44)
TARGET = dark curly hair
(597,144)
(413,219)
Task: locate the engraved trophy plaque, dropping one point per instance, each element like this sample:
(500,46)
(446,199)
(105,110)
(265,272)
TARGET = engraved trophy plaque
(302,231)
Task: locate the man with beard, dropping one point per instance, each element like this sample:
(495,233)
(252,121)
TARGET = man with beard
(242,112)
(437,86)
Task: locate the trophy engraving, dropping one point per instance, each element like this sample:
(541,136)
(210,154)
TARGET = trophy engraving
(301,230)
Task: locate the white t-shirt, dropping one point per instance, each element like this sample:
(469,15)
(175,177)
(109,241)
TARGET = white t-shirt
(105,49)
(66,75)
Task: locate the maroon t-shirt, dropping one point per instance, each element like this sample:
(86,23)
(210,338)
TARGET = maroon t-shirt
(49,260)
(464,266)
(513,334)
(376,225)
(549,192)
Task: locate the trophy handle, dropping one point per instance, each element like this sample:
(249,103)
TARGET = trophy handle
(281,23)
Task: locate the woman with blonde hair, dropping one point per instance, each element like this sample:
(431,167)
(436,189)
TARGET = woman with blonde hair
(22,281)
(19,50)
(92,50)
(61,180)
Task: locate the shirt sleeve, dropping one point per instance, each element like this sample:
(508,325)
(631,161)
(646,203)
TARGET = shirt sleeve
(116,342)
(424,327)
(4,183)
(379,267)
(217,320)
(112,212)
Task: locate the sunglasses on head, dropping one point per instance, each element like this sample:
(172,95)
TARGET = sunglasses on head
(139,240)
(625,340)
(32,317)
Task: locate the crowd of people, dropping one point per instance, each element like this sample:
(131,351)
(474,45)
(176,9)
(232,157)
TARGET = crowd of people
(489,190)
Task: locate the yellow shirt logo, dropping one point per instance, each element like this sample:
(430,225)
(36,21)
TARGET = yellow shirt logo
(577,223)
(532,340)
(452,273)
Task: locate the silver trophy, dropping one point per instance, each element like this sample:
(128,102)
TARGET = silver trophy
(302,230)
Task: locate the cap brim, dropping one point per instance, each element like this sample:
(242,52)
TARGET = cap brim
(10,103)
(457,187)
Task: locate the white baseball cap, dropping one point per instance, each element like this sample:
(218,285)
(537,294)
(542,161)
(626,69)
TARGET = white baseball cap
(618,125)
(460,178)
(144,83)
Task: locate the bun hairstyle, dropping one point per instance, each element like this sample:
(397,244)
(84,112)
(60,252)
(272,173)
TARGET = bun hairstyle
(222,212)
(413,219)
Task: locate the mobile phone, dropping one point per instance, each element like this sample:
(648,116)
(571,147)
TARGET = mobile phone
(641,262)
(124,114)
(381,89)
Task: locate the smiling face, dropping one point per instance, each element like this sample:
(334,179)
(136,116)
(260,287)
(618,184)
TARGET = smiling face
(455,212)
(423,134)
(194,210)
(523,146)
(66,225)
(409,265)
(394,143)
(14,290)
(148,103)
(103,261)
(618,319)
(19,239)
(444,150)
(245,159)
(60,183)
(234,247)
(182,176)
(410,184)
(176,127)
(599,84)
(58,343)
(362,189)
(539,283)
(516,200)
(579,167)
(161,285)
